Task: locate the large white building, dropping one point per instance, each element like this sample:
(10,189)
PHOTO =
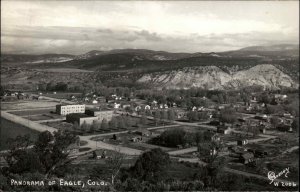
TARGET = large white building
(68,109)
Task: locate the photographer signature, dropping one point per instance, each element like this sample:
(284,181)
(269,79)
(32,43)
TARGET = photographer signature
(272,176)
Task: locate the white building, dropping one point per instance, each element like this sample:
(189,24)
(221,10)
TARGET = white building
(68,109)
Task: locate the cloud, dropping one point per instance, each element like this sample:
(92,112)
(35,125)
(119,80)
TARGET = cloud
(76,26)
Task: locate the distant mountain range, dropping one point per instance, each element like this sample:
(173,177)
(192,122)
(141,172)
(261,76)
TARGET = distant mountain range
(278,65)
(274,51)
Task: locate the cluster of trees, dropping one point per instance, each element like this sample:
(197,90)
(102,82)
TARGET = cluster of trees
(197,115)
(152,171)
(47,158)
(194,96)
(122,121)
(179,137)
(228,115)
(161,115)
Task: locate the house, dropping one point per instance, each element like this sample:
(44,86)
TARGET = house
(215,137)
(194,108)
(154,103)
(242,142)
(147,107)
(246,158)
(99,154)
(117,105)
(213,151)
(137,108)
(224,130)
(36,97)
(262,130)
(288,115)
(72,97)
(136,139)
(260,153)
(124,106)
(200,108)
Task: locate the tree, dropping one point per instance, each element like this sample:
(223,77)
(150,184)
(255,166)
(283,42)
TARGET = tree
(295,124)
(121,123)
(143,119)
(47,156)
(151,165)
(84,126)
(127,122)
(113,123)
(255,131)
(55,151)
(76,126)
(199,138)
(104,124)
(156,117)
(192,116)
(171,115)
(114,164)
(228,115)
(274,122)
(172,138)
(215,164)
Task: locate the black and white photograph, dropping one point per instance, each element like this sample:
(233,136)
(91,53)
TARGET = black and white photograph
(138,95)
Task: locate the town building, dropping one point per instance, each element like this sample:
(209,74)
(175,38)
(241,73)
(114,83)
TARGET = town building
(100,114)
(68,109)
(80,118)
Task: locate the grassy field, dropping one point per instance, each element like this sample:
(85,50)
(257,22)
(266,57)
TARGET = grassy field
(32,112)
(28,104)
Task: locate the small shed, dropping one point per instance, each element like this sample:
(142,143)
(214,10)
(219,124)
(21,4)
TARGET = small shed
(242,142)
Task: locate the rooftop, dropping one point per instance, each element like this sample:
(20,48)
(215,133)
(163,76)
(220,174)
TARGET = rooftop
(78,115)
(97,110)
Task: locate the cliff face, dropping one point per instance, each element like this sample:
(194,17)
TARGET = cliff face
(212,77)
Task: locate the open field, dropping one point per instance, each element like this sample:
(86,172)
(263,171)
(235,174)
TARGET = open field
(32,112)
(42,117)
(32,104)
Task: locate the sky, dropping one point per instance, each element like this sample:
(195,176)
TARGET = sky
(76,27)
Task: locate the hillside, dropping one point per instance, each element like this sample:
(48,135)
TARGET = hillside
(212,77)
(214,69)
